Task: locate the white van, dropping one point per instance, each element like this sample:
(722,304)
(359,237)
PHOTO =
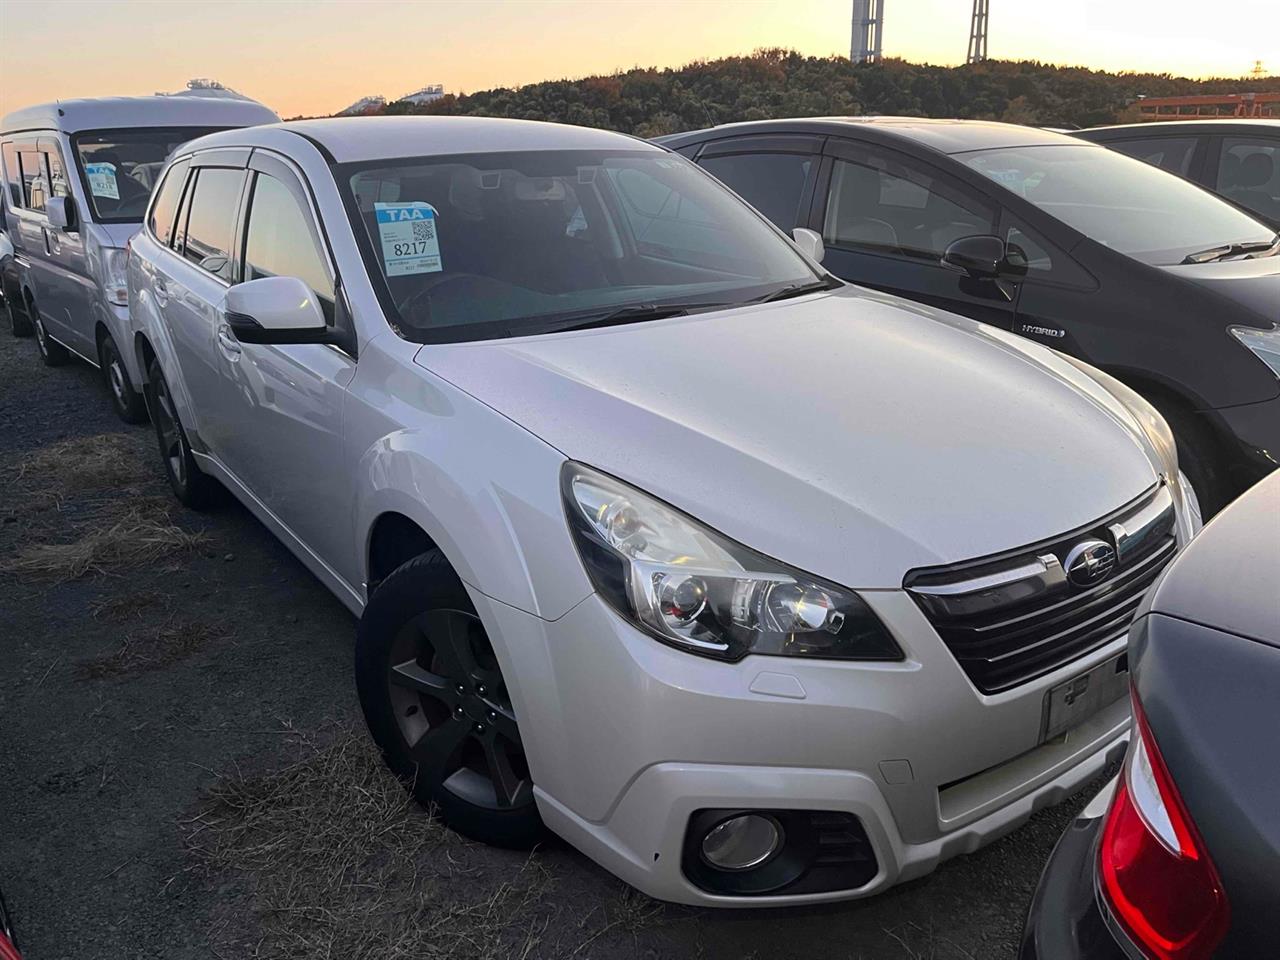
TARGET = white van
(78,175)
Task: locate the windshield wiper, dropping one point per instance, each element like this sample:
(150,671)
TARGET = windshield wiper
(632,313)
(1228,250)
(797,290)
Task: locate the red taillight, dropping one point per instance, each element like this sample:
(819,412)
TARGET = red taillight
(7,950)
(1153,868)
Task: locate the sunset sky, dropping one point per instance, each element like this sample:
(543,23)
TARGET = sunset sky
(318,56)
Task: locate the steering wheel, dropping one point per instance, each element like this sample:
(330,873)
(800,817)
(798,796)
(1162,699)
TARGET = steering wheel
(422,298)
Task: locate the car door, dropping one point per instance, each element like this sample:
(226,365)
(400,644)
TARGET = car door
(887,218)
(70,291)
(1182,154)
(285,401)
(1054,294)
(31,226)
(1246,170)
(775,174)
(189,287)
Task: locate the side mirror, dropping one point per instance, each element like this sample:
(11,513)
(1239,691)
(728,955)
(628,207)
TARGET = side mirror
(981,257)
(61,212)
(275,310)
(809,243)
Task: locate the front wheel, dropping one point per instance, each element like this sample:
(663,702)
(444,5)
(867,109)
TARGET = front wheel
(128,403)
(438,707)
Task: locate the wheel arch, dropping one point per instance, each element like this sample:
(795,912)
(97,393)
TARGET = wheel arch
(502,529)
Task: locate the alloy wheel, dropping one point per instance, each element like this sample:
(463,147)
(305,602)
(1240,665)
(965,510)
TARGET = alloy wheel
(115,373)
(453,710)
(172,443)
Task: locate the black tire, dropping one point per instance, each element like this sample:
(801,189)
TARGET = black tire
(192,487)
(437,706)
(52,353)
(129,404)
(19,322)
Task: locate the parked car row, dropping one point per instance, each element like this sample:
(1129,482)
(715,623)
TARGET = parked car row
(758,587)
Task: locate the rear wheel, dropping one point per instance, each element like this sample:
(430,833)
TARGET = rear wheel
(19,321)
(193,487)
(438,707)
(129,404)
(52,352)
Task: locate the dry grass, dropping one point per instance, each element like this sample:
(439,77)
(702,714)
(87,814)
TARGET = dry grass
(99,488)
(106,462)
(343,864)
(142,535)
(118,608)
(153,647)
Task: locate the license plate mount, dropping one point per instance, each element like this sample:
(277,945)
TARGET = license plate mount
(1073,701)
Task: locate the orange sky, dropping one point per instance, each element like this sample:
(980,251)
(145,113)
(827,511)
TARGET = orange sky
(317,56)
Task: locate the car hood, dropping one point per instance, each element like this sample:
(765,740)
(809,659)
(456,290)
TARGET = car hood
(853,434)
(117,234)
(1254,284)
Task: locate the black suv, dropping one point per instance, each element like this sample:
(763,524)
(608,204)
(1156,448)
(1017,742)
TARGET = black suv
(1236,159)
(1138,272)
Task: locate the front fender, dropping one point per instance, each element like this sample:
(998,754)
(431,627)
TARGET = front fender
(485,490)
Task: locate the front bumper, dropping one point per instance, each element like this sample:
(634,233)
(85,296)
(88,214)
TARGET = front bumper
(627,738)
(1065,921)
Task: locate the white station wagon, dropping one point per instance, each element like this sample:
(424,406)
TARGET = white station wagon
(756,587)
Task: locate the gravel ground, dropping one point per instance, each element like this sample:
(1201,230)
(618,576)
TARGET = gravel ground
(183,772)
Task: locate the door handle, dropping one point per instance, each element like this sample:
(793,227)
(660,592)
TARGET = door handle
(228,344)
(161,290)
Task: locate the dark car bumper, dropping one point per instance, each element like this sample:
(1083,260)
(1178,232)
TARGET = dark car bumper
(1065,921)
(1253,430)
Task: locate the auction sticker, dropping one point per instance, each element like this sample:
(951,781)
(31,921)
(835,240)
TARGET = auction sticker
(408,235)
(102,180)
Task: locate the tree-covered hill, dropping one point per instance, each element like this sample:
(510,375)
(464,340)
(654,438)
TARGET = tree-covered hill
(783,83)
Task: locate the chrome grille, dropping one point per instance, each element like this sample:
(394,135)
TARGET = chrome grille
(1016,616)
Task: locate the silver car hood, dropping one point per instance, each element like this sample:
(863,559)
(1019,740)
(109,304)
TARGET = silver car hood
(853,434)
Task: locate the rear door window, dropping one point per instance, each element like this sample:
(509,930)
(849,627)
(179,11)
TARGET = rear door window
(1249,174)
(1168,153)
(13,174)
(773,183)
(211,220)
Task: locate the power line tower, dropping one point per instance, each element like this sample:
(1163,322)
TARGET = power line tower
(978,33)
(1258,71)
(868,19)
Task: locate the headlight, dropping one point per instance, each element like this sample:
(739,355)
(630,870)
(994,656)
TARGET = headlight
(115,264)
(697,590)
(1265,344)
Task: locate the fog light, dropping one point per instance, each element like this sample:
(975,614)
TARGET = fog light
(741,843)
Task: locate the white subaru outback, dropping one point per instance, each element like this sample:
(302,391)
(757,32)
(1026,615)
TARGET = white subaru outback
(756,587)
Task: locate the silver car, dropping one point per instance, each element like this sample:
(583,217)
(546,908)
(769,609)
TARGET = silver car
(78,175)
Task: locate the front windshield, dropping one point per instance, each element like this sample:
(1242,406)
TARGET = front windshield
(1120,202)
(491,245)
(120,167)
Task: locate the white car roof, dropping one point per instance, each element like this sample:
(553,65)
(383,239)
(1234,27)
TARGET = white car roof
(110,113)
(354,139)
